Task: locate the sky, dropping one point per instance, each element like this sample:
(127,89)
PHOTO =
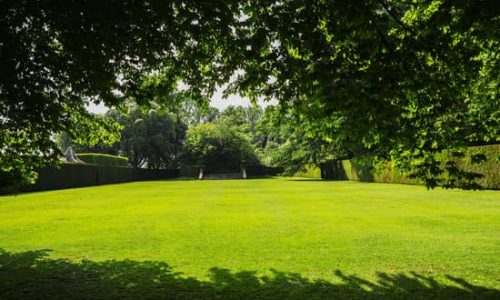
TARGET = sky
(216,101)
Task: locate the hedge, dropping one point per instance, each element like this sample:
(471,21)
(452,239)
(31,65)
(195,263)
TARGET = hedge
(80,175)
(309,171)
(103,159)
(384,172)
(259,170)
(490,169)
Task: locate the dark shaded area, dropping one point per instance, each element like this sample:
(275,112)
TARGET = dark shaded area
(333,170)
(260,170)
(80,175)
(364,170)
(31,275)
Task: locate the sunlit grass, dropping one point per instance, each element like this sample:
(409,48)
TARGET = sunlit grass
(308,227)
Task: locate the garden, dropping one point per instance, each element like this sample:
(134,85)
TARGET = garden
(186,149)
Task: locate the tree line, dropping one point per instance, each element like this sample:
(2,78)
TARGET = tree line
(218,140)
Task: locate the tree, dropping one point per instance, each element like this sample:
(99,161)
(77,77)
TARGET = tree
(217,147)
(64,141)
(402,79)
(193,113)
(245,119)
(292,144)
(58,56)
(399,80)
(153,139)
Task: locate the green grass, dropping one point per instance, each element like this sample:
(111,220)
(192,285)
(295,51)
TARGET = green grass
(237,237)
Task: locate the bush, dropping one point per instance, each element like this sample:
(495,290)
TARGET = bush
(103,159)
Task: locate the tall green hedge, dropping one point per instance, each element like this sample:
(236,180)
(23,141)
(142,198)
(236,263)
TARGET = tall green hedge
(103,159)
(385,172)
(489,168)
(309,171)
(80,175)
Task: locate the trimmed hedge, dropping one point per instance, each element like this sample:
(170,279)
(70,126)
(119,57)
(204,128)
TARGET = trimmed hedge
(384,172)
(80,175)
(259,170)
(10,182)
(490,168)
(103,159)
(310,171)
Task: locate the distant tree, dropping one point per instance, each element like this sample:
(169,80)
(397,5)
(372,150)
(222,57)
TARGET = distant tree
(217,146)
(193,114)
(244,119)
(152,139)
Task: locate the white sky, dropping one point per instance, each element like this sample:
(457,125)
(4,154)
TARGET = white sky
(216,101)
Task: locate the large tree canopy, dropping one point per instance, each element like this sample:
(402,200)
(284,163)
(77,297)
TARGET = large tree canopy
(396,79)
(58,56)
(399,79)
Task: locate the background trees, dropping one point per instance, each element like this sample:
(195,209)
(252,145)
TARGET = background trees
(152,139)
(218,147)
(58,56)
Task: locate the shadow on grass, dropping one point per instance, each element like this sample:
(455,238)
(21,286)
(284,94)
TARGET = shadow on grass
(31,275)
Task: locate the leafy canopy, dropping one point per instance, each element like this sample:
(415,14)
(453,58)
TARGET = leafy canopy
(399,79)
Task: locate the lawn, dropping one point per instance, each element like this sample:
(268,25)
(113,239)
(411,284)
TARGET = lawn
(250,239)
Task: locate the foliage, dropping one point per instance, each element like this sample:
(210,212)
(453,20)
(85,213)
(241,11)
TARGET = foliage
(244,119)
(309,171)
(291,143)
(63,141)
(217,146)
(103,159)
(477,168)
(57,57)
(11,182)
(468,174)
(400,80)
(152,139)
(194,114)
(294,226)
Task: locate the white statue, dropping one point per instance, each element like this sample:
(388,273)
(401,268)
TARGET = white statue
(71,157)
